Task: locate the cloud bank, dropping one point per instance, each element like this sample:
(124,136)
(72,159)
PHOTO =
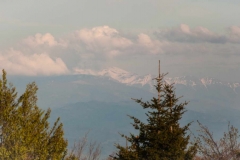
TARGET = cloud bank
(15,62)
(91,48)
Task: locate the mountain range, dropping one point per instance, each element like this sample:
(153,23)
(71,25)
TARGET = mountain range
(128,78)
(98,101)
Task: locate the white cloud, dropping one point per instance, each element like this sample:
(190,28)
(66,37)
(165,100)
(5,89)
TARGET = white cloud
(234,34)
(15,62)
(152,46)
(185,29)
(102,40)
(103,36)
(100,47)
(185,34)
(39,39)
(235,30)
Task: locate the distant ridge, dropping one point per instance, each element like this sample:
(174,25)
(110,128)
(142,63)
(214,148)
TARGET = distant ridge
(128,78)
(119,75)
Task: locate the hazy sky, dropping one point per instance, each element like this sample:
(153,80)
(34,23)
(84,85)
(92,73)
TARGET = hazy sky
(190,37)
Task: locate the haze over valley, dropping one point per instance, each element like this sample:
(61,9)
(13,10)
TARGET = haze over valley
(99,102)
(91,59)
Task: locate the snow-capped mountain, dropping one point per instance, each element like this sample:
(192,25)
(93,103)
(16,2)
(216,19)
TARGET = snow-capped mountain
(102,99)
(206,82)
(128,78)
(119,75)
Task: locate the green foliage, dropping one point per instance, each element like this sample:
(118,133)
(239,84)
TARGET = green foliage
(25,132)
(161,137)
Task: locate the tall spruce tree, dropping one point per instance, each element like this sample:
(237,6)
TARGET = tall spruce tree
(25,133)
(161,137)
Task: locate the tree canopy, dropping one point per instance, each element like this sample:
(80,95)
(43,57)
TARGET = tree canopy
(25,132)
(161,137)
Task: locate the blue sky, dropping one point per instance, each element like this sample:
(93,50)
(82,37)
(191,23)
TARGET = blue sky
(190,37)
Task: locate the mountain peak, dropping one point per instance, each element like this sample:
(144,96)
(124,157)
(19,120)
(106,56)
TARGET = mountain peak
(114,70)
(128,78)
(119,75)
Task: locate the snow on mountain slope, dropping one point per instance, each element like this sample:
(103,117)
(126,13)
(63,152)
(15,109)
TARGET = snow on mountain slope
(119,75)
(128,78)
(181,80)
(206,82)
(191,81)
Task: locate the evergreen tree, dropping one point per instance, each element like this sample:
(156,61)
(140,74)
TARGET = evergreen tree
(161,137)
(25,133)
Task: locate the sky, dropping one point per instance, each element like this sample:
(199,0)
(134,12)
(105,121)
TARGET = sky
(191,37)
